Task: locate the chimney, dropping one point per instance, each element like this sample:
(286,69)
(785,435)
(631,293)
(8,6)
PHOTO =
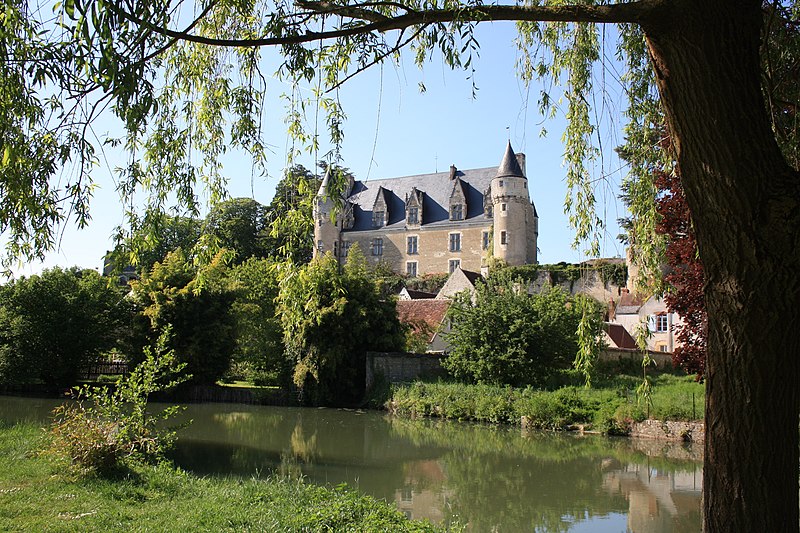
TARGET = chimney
(453,171)
(521,161)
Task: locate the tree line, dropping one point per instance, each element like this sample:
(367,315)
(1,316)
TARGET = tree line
(253,312)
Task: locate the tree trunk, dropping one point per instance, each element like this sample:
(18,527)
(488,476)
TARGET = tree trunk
(745,203)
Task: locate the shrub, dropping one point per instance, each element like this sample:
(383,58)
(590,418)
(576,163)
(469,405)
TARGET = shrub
(503,335)
(332,316)
(106,427)
(196,305)
(52,325)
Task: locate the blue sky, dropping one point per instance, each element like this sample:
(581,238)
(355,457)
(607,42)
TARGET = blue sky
(394,130)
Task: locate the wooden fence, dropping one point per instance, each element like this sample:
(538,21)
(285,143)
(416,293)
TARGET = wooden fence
(105,368)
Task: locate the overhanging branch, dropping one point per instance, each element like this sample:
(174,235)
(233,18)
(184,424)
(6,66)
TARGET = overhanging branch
(630,12)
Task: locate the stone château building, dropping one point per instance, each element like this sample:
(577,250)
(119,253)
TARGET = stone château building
(434,223)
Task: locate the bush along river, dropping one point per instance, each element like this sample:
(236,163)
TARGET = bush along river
(492,478)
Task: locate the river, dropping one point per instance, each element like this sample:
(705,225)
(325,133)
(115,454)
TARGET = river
(491,478)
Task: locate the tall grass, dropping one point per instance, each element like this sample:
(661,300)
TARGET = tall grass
(162,498)
(610,405)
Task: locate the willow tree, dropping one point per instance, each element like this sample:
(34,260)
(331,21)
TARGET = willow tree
(186,84)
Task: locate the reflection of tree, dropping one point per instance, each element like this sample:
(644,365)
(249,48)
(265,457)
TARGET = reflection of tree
(556,447)
(303,448)
(497,479)
(525,494)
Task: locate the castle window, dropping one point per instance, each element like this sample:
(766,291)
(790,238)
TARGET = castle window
(411,268)
(413,215)
(335,248)
(455,242)
(500,183)
(378,219)
(485,240)
(377,246)
(345,248)
(319,245)
(411,245)
(453,265)
(503,237)
(457,212)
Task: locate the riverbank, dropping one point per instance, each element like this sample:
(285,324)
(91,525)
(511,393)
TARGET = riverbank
(610,406)
(34,497)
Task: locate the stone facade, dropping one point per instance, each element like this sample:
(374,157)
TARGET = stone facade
(434,223)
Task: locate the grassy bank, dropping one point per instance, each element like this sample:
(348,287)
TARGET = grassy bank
(33,497)
(610,405)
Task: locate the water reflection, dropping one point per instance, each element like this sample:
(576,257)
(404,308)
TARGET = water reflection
(494,479)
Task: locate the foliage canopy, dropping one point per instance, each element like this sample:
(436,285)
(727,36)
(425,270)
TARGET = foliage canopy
(196,305)
(54,324)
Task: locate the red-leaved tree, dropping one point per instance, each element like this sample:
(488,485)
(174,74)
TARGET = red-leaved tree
(685,277)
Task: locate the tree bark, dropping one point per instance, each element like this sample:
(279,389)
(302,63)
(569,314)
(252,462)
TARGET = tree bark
(745,203)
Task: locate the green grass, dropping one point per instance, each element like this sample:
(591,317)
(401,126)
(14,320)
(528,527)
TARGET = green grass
(241,384)
(35,497)
(610,405)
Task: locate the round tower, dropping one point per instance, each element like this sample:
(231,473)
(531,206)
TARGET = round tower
(514,220)
(327,232)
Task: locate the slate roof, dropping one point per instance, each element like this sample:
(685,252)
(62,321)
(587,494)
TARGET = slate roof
(509,166)
(420,295)
(473,277)
(436,189)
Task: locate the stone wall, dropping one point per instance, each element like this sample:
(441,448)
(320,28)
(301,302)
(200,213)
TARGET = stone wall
(663,360)
(669,430)
(398,367)
(590,283)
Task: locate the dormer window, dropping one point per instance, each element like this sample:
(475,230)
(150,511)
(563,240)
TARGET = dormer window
(414,207)
(348,218)
(458,201)
(380,209)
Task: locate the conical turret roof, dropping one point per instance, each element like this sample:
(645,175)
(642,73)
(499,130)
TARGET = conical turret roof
(323,188)
(509,166)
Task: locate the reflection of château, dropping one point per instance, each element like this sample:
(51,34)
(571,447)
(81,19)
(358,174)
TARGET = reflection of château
(434,222)
(658,501)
